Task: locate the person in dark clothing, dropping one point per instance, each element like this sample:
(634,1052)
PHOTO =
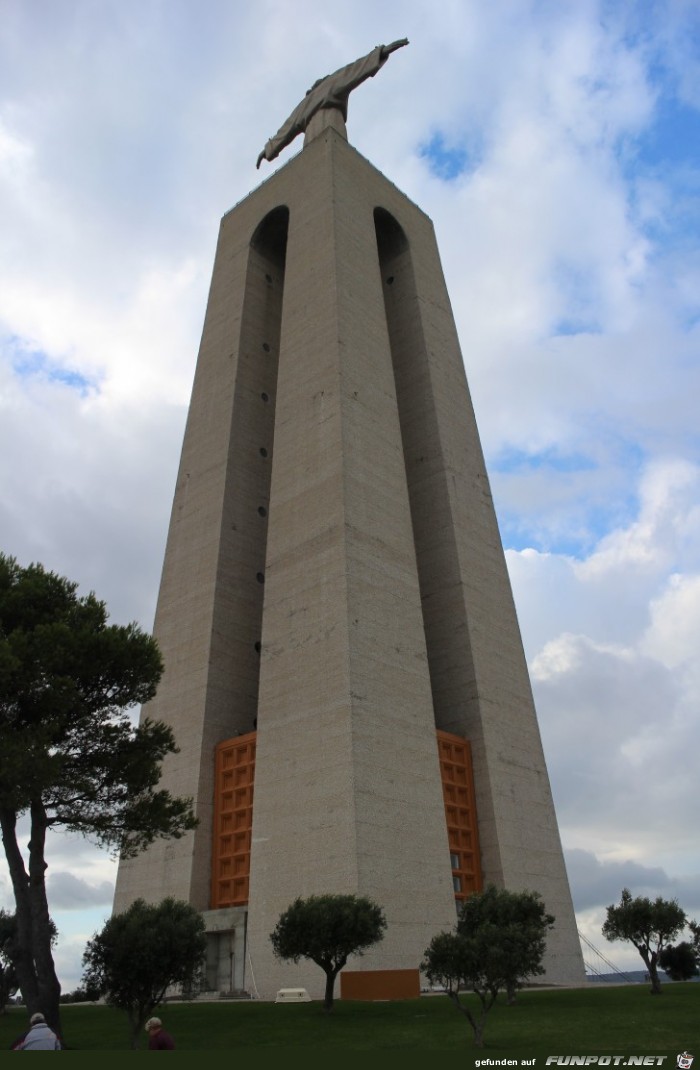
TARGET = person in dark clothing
(158,1039)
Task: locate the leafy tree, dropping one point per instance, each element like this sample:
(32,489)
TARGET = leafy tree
(8,976)
(142,952)
(8,950)
(69,755)
(78,995)
(328,929)
(524,922)
(650,926)
(680,962)
(8,983)
(499,941)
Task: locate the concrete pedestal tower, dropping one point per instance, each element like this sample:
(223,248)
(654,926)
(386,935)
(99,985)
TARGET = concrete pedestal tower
(335,613)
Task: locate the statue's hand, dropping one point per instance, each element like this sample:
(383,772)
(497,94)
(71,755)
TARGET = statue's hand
(394,45)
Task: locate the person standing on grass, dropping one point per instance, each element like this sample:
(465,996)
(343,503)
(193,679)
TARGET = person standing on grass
(158,1039)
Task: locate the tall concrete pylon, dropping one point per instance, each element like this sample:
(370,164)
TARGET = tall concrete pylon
(335,600)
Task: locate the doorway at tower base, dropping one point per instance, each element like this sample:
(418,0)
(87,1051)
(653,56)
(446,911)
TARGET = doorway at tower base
(226,951)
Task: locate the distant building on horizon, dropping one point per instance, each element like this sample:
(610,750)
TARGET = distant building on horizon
(344,672)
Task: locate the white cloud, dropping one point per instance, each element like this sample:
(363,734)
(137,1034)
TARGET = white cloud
(664,534)
(599,882)
(674,632)
(68,892)
(68,956)
(15,161)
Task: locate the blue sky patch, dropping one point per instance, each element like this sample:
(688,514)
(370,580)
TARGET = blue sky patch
(514,460)
(519,537)
(570,530)
(674,139)
(669,152)
(572,524)
(30,364)
(571,326)
(578,293)
(445,161)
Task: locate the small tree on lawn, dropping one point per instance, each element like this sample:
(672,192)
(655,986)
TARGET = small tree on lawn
(142,952)
(499,941)
(70,756)
(524,922)
(328,929)
(650,926)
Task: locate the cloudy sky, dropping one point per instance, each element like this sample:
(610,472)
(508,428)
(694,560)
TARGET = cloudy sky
(556,148)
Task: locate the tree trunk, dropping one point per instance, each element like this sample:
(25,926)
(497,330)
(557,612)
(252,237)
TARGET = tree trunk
(135,1024)
(654,977)
(650,961)
(330,985)
(22,956)
(477,1027)
(487,1000)
(49,986)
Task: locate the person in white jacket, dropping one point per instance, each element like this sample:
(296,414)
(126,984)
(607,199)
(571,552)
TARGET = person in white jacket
(39,1037)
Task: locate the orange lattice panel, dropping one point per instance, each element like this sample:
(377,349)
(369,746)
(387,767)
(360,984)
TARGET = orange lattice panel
(460,811)
(233,821)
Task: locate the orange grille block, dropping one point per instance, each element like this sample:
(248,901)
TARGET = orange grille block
(460,812)
(233,821)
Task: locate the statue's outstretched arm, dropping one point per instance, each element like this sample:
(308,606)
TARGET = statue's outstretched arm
(388,49)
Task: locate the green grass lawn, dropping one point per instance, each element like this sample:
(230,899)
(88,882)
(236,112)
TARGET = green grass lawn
(596,1019)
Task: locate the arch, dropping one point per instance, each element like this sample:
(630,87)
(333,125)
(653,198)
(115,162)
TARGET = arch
(270,235)
(447,638)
